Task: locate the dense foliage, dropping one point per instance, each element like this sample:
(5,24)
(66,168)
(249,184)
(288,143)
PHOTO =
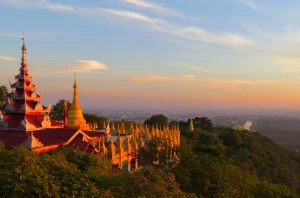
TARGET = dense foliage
(157,119)
(235,163)
(3,93)
(229,163)
(65,173)
(93,118)
(57,111)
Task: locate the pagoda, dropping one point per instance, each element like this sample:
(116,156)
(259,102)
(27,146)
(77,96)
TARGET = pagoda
(75,114)
(24,111)
(26,121)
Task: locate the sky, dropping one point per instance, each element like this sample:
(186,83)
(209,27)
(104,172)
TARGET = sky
(157,54)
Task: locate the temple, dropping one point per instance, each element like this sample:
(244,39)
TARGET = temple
(123,149)
(26,122)
(24,111)
(75,114)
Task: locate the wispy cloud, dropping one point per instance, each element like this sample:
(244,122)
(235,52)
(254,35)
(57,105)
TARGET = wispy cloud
(292,35)
(287,61)
(189,78)
(248,3)
(149,78)
(192,67)
(154,7)
(7,58)
(44,4)
(128,14)
(199,69)
(190,32)
(84,66)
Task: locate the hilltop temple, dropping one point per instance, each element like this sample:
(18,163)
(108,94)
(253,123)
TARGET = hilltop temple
(26,122)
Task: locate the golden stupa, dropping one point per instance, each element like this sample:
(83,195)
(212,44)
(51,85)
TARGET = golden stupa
(75,114)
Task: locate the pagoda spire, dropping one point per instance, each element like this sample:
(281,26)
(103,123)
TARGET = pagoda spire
(191,125)
(24,58)
(75,114)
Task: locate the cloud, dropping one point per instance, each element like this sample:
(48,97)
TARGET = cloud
(292,35)
(84,66)
(290,62)
(130,15)
(195,68)
(150,79)
(190,76)
(248,3)
(190,32)
(43,4)
(199,69)
(154,7)
(7,58)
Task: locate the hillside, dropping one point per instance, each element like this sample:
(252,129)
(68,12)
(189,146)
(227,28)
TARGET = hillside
(229,164)
(235,161)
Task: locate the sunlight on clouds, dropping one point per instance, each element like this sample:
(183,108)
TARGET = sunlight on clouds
(150,79)
(191,32)
(248,3)
(199,69)
(287,61)
(190,76)
(128,14)
(7,58)
(83,66)
(155,7)
(43,4)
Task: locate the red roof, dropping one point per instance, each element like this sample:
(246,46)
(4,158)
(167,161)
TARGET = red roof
(50,137)
(12,138)
(93,134)
(14,121)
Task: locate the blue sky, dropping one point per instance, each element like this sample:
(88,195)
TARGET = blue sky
(172,54)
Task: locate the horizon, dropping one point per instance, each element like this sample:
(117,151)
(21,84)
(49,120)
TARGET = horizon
(159,56)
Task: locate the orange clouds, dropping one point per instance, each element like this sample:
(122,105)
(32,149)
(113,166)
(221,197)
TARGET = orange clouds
(84,65)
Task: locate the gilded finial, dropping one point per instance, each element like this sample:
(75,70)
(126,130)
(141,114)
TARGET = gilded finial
(23,46)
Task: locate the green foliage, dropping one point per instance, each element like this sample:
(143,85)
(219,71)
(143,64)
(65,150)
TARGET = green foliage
(203,123)
(159,119)
(93,118)
(235,164)
(57,111)
(3,93)
(65,173)
(232,139)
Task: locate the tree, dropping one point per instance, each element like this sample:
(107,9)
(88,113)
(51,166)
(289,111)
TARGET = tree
(57,112)
(203,123)
(159,119)
(93,118)
(232,139)
(3,93)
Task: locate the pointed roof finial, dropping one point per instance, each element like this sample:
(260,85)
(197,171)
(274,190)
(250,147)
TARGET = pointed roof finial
(75,81)
(23,46)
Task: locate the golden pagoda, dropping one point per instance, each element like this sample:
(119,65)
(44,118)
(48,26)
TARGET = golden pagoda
(75,114)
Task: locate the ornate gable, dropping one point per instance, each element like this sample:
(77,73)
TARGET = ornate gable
(27,125)
(32,142)
(46,122)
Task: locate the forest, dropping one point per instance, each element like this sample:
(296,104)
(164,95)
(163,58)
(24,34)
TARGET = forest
(214,162)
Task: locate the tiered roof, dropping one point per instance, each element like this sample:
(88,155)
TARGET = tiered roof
(24,111)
